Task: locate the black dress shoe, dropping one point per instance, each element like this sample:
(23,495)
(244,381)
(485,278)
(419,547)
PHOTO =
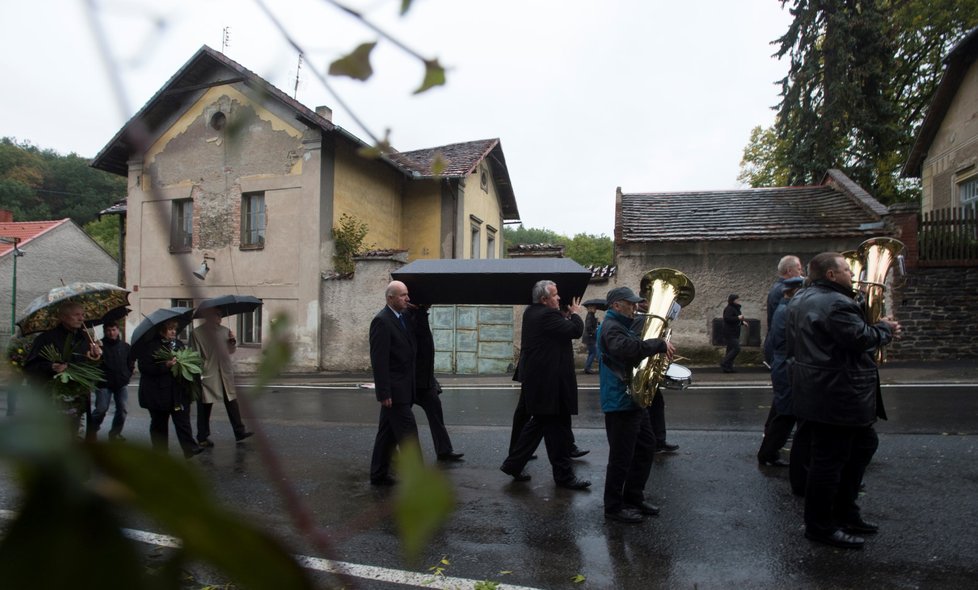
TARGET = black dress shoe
(383,481)
(192,452)
(577,453)
(243,436)
(645,508)
(451,457)
(666,448)
(774,463)
(206,443)
(521,476)
(860,527)
(574,484)
(837,539)
(626,515)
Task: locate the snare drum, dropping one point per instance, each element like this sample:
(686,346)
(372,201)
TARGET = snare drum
(677,377)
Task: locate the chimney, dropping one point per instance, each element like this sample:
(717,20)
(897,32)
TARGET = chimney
(6,216)
(325,112)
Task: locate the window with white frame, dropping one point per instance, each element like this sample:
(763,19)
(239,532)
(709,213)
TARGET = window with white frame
(184,334)
(968,191)
(249,328)
(490,242)
(476,234)
(253,220)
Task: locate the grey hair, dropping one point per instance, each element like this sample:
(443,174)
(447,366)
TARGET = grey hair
(787,262)
(540,290)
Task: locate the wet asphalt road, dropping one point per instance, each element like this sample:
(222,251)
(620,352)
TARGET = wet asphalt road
(724,523)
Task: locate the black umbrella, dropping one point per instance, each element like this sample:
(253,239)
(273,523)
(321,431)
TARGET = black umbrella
(147,329)
(229,305)
(500,281)
(601,304)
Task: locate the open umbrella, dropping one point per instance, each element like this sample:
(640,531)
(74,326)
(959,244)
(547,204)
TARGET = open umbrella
(146,330)
(96,299)
(113,315)
(600,303)
(229,305)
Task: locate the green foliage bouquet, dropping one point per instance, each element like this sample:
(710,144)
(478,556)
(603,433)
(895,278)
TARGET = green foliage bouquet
(18,350)
(188,368)
(77,380)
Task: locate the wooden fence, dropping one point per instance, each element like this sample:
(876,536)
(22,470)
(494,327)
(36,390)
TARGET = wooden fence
(949,235)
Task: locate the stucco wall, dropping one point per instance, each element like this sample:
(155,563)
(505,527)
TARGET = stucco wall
(348,306)
(369,190)
(64,253)
(421,225)
(484,204)
(954,150)
(717,269)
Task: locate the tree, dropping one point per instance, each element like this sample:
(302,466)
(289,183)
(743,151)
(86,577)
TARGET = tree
(585,249)
(861,74)
(105,231)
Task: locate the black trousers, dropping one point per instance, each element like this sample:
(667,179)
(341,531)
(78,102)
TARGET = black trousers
(733,349)
(840,455)
(159,427)
(430,402)
(552,429)
(204,418)
(521,417)
(776,433)
(657,416)
(631,446)
(396,426)
(800,458)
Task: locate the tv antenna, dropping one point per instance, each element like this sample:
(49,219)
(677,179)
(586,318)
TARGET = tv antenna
(298,69)
(225,39)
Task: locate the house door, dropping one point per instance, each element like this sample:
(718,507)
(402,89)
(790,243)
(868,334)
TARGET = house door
(472,339)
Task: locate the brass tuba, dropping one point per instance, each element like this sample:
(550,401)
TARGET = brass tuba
(878,255)
(663,288)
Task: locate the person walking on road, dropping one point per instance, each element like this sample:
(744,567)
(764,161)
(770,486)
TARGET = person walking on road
(733,319)
(216,344)
(835,390)
(117,367)
(789,267)
(393,358)
(590,338)
(548,385)
(631,441)
(427,388)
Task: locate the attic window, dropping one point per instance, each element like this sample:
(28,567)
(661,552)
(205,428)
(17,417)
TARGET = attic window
(484,180)
(218,121)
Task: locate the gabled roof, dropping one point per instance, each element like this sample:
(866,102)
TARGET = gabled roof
(957,62)
(831,209)
(25,231)
(207,68)
(460,160)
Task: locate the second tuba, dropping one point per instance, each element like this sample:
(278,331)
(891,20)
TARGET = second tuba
(664,289)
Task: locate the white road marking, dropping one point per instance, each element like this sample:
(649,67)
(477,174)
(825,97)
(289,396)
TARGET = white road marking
(355,570)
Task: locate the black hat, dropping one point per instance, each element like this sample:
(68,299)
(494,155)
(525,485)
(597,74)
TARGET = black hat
(732,297)
(623,293)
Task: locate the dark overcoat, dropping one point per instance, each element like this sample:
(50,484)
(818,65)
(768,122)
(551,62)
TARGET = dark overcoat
(159,390)
(546,367)
(393,353)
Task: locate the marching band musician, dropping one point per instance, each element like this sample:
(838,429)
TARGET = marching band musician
(631,441)
(835,388)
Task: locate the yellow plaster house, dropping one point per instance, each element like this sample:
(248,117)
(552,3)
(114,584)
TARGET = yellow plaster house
(232,178)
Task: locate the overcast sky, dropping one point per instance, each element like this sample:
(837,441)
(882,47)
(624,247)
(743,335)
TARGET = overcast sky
(585,95)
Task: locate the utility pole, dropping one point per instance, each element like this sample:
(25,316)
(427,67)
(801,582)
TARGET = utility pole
(17,253)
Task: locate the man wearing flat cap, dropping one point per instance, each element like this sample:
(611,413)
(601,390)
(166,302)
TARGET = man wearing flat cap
(631,442)
(733,319)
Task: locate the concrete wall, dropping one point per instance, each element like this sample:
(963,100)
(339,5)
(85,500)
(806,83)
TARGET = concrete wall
(953,155)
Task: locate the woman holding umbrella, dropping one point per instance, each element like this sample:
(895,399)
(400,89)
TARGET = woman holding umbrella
(164,395)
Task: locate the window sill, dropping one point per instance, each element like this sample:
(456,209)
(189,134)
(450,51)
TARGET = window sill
(251,247)
(180,250)
(255,345)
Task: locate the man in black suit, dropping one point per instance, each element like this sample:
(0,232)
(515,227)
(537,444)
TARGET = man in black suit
(427,388)
(549,385)
(393,353)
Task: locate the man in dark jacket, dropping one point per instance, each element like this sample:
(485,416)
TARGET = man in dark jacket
(549,385)
(427,388)
(835,391)
(789,267)
(393,354)
(117,367)
(732,321)
(631,440)
(590,338)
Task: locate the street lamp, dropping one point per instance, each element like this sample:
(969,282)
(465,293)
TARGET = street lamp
(13,293)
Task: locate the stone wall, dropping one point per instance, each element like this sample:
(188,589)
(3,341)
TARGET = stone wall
(938,310)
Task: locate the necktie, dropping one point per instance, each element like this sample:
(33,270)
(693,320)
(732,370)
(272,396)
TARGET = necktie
(403,323)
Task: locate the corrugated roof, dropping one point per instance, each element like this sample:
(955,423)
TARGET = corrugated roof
(749,214)
(25,231)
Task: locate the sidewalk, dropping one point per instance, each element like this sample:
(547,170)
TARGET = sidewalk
(951,371)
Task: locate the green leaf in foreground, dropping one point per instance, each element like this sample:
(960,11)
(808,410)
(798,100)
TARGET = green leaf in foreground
(424,500)
(434,75)
(356,64)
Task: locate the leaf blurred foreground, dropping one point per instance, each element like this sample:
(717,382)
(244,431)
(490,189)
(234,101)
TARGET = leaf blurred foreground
(68,532)
(424,501)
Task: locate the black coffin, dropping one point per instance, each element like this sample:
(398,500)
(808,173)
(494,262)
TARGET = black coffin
(501,281)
